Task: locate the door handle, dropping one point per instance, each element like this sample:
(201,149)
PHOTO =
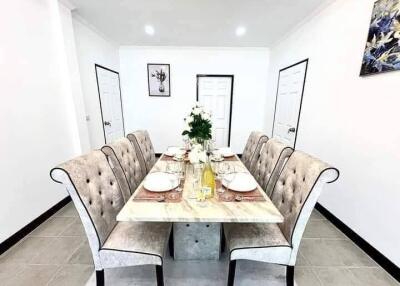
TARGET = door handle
(107,123)
(292,129)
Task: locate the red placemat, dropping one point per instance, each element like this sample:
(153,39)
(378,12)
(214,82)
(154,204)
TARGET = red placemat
(173,196)
(232,196)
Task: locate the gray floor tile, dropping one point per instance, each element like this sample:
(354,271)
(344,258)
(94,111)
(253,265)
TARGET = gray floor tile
(38,275)
(305,276)
(326,252)
(334,276)
(53,226)
(27,249)
(316,215)
(59,251)
(82,255)
(68,275)
(322,229)
(74,229)
(67,211)
(372,277)
(9,271)
(301,260)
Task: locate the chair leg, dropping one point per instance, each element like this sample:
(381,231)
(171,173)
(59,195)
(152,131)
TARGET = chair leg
(100,277)
(160,275)
(231,272)
(289,275)
(171,244)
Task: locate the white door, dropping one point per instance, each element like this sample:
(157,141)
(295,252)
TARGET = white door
(214,92)
(288,102)
(110,103)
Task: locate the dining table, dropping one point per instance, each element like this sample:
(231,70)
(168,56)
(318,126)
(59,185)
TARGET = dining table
(197,225)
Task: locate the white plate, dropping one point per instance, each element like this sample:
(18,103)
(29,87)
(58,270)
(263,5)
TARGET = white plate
(226,152)
(171,151)
(239,182)
(160,182)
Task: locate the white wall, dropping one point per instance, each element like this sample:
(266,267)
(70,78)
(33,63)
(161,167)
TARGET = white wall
(93,48)
(348,121)
(163,117)
(38,120)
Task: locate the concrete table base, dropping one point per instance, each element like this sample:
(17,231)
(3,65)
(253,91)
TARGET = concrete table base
(197,241)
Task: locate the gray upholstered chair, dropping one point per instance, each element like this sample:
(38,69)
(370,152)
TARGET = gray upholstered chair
(268,163)
(122,154)
(253,146)
(141,141)
(97,196)
(295,195)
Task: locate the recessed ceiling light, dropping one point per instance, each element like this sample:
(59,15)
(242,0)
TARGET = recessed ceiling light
(149,30)
(240,31)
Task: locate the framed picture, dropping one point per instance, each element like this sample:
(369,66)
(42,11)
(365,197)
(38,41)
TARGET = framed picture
(158,80)
(382,52)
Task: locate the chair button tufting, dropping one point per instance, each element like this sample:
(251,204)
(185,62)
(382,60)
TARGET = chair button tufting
(87,181)
(111,183)
(99,173)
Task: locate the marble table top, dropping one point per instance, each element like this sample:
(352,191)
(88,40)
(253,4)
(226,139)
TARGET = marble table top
(190,210)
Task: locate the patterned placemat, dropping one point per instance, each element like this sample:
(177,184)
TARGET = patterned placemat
(233,158)
(232,196)
(173,196)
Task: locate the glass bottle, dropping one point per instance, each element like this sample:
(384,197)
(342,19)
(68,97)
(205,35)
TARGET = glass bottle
(208,180)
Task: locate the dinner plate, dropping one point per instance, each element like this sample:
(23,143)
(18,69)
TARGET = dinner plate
(226,152)
(171,151)
(160,182)
(239,182)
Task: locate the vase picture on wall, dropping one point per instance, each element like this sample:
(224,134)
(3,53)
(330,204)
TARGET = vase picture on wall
(158,80)
(382,51)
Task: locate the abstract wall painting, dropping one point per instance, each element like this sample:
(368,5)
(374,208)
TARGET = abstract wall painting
(382,52)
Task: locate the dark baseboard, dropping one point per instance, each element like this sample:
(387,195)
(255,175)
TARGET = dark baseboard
(12,240)
(379,258)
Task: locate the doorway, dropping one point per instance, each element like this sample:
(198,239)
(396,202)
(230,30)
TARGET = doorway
(215,93)
(108,85)
(289,97)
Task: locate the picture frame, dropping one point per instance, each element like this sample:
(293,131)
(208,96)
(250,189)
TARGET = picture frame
(382,51)
(158,79)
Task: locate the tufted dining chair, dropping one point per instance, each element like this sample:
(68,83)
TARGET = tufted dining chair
(268,163)
(141,141)
(97,196)
(253,146)
(295,195)
(122,154)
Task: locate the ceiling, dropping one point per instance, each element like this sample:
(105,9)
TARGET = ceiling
(195,22)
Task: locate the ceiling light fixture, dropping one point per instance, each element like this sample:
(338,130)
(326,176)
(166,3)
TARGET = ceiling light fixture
(240,31)
(149,30)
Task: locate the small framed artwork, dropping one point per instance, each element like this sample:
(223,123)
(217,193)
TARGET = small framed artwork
(158,80)
(382,51)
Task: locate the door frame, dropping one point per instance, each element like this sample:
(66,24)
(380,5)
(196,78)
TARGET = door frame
(120,96)
(301,99)
(230,107)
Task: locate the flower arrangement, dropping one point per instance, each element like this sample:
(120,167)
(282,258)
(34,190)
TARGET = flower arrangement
(197,154)
(198,125)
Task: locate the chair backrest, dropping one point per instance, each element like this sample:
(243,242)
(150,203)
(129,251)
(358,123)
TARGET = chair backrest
(253,146)
(267,165)
(141,141)
(128,167)
(96,194)
(296,192)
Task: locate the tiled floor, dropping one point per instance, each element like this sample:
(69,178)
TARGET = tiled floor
(57,253)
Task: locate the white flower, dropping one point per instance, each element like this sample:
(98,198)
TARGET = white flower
(189,119)
(187,126)
(206,116)
(197,154)
(196,110)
